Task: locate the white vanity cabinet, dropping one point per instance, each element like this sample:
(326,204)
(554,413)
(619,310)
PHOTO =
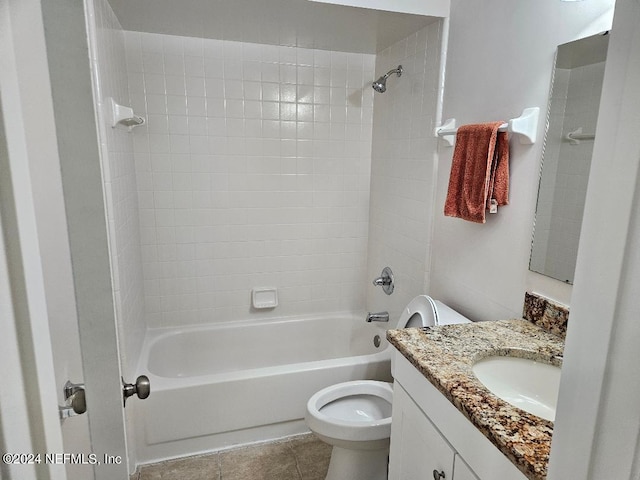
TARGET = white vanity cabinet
(461,470)
(430,437)
(418,451)
(417,448)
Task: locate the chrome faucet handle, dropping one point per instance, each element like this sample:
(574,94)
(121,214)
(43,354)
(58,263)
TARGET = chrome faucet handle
(385,280)
(378,317)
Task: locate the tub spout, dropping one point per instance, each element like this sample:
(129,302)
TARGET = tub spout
(378,317)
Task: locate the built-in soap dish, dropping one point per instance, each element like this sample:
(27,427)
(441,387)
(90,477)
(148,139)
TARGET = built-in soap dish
(264,297)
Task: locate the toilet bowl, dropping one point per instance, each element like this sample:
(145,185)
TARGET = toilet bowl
(355,417)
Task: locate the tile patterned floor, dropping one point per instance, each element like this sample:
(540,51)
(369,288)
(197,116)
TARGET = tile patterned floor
(301,457)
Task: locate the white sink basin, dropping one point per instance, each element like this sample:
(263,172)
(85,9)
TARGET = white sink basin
(526,384)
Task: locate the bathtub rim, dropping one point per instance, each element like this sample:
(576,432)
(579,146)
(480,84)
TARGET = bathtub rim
(161,383)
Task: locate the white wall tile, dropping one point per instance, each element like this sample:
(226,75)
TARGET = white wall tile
(233,139)
(402,183)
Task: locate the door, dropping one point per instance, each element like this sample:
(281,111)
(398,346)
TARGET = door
(47,86)
(461,470)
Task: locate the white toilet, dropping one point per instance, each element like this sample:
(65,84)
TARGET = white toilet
(355,417)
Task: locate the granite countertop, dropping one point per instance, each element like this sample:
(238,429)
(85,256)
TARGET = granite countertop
(445,355)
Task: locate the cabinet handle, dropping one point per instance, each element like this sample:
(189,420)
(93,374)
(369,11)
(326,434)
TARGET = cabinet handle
(438,475)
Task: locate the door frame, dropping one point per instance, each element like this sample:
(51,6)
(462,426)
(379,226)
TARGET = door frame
(49,115)
(29,421)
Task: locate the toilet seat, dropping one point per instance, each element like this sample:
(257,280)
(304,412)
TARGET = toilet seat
(421,311)
(424,311)
(376,397)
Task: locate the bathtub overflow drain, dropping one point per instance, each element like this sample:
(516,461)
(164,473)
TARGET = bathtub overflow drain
(376,341)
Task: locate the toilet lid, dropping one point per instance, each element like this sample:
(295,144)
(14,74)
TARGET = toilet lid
(424,311)
(420,312)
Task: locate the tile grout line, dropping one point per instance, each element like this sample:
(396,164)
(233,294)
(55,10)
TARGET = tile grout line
(295,457)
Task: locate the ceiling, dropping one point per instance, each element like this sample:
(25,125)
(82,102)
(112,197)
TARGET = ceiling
(277,22)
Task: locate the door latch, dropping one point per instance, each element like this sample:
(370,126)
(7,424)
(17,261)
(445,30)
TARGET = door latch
(75,400)
(142,388)
(76,403)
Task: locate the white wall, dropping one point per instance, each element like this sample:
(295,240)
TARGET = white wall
(29,419)
(403,170)
(14,409)
(48,203)
(500,61)
(596,429)
(253,171)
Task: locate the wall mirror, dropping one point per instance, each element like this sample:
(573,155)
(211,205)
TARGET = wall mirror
(573,113)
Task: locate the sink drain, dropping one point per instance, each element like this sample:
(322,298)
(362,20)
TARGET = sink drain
(377,341)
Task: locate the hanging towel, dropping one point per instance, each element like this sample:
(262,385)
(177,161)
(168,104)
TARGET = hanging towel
(479,172)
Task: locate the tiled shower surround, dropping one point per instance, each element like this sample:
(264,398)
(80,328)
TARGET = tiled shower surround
(403,169)
(253,170)
(255,166)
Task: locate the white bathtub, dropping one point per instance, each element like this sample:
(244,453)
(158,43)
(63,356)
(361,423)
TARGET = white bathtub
(241,382)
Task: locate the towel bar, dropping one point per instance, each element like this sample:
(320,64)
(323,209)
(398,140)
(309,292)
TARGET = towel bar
(575,137)
(525,126)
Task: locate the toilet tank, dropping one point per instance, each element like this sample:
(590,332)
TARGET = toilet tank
(448,316)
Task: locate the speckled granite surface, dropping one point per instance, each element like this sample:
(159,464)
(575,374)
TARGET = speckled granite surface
(445,355)
(546,313)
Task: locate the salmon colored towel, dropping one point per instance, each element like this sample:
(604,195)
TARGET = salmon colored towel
(479,171)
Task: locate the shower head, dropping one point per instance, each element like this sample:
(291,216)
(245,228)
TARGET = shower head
(380,85)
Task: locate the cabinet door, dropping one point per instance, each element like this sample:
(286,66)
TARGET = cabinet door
(461,470)
(417,448)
